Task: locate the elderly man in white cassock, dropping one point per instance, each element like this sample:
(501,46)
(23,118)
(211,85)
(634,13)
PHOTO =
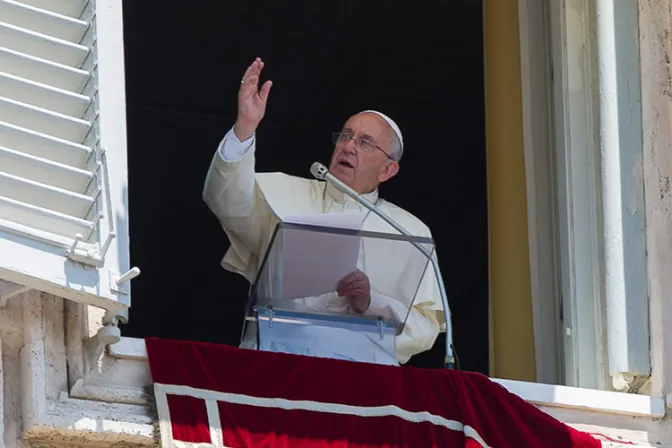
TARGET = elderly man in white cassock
(249,205)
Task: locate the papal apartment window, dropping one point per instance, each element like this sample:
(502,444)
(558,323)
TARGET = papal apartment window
(423,67)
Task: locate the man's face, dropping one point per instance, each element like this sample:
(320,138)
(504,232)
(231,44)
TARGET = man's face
(363,161)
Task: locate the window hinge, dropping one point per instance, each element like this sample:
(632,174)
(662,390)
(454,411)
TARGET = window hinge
(79,254)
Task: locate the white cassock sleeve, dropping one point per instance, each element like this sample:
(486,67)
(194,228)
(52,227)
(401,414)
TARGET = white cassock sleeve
(232,194)
(233,150)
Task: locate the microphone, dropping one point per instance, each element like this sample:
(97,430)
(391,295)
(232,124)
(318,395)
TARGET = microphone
(318,170)
(321,172)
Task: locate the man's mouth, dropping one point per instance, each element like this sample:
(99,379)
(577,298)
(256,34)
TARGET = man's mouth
(346,164)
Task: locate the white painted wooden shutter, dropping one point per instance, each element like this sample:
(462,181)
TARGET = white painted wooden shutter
(63,198)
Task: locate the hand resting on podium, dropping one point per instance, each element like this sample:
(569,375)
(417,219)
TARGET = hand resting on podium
(353,295)
(356,288)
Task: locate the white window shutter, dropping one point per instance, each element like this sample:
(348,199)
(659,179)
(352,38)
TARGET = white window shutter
(63,173)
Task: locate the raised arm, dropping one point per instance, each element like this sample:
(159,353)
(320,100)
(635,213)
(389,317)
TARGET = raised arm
(230,189)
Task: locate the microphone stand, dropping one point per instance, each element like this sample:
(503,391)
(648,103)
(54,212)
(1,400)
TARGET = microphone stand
(321,172)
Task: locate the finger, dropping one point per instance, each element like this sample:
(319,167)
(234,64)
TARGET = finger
(265,90)
(348,288)
(253,69)
(353,275)
(358,293)
(343,289)
(249,70)
(356,283)
(362,285)
(256,67)
(250,82)
(344,280)
(360,302)
(357,298)
(352,279)
(357,277)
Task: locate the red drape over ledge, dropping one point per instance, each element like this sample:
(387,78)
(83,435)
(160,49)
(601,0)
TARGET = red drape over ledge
(210,395)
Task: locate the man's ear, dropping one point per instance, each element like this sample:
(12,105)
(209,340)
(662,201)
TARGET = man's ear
(390,170)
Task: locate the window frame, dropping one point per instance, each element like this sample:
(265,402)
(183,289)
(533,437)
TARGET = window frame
(537,119)
(563,185)
(545,111)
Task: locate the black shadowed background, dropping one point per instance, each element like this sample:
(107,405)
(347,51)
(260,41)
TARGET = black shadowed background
(420,64)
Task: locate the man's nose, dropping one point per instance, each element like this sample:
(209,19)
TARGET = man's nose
(351,146)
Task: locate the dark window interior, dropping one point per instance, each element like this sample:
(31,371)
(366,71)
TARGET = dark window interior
(421,63)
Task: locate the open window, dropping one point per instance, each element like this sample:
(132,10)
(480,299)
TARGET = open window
(599,231)
(564,188)
(181,102)
(64,212)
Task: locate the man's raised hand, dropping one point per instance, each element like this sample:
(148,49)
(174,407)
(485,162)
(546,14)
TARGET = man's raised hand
(251,101)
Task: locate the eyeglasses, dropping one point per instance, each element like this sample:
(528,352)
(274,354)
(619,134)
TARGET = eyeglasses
(362,143)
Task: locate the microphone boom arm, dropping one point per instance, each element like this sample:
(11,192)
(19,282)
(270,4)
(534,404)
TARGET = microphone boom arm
(321,172)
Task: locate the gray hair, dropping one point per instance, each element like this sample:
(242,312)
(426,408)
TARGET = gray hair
(397,141)
(397,148)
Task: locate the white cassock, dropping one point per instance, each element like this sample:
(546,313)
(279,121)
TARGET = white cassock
(249,205)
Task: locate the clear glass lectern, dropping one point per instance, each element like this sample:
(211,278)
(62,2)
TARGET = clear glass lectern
(294,305)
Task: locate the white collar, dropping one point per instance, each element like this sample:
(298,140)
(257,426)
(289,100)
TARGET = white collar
(338,196)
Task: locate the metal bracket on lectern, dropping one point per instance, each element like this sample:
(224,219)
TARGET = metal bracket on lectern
(270,316)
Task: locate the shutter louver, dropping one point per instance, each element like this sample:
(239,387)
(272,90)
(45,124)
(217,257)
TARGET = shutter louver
(54,171)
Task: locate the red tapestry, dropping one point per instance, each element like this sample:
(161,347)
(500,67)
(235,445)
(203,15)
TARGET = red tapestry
(212,395)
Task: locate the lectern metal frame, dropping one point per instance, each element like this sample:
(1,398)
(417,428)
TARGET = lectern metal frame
(271,313)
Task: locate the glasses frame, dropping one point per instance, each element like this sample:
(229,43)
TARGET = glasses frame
(336,138)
